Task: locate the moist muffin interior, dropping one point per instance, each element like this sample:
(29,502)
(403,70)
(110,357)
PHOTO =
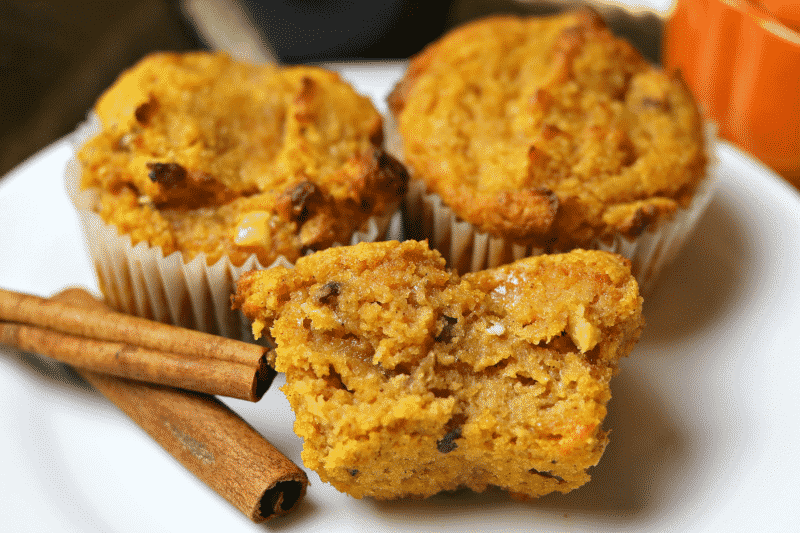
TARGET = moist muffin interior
(408,380)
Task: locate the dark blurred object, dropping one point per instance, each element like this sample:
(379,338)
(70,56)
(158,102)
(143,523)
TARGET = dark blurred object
(644,30)
(56,57)
(323,30)
(299,31)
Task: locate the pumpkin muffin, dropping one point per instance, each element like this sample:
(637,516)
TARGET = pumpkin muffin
(236,165)
(407,379)
(528,135)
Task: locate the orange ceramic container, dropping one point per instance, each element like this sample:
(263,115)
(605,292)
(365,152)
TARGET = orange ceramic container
(787,11)
(743,66)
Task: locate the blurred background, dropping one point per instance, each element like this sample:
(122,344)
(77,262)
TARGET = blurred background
(739,57)
(56,57)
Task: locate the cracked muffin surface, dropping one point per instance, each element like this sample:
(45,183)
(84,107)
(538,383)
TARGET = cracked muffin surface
(549,131)
(407,379)
(200,153)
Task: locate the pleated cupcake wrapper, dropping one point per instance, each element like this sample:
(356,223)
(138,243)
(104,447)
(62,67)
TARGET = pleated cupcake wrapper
(140,280)
(468,250)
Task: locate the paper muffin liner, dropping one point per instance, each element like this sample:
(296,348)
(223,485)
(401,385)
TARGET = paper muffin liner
(467,249)
(140,280)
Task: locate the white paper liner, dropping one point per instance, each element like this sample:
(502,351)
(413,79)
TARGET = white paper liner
(468,250)
(140,280)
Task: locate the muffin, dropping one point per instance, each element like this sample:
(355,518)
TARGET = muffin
(407,379)
(195,167)
(529,135)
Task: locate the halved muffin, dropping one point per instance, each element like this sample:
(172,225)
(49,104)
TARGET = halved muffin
(407,379)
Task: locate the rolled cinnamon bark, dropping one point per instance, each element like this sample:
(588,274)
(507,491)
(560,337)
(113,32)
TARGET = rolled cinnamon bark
(108,342)
(104,323)
(210,376)
(206,437)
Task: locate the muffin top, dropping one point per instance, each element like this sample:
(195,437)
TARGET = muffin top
(549,131)
(200,153)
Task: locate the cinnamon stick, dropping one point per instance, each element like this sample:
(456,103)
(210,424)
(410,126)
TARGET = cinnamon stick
(110,325)
(206,437)
(108,342)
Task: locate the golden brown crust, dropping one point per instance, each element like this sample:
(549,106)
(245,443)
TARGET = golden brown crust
(515,214)
(407,380)
(509,105)
(203,154)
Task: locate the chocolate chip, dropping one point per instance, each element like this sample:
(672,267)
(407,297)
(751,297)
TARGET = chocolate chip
(353,472)
(447,443)
(392,174)
(299,195)
(446,335)
(144,112)
(295,203)
(168,175)
(548,475)
(328,291)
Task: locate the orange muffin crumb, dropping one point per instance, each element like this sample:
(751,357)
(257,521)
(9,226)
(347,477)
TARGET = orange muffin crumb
(407,380)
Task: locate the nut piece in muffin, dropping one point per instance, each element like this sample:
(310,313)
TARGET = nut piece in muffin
(202,154)
(407,380)
(549,133)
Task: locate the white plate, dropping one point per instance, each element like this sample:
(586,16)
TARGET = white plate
(704,417)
